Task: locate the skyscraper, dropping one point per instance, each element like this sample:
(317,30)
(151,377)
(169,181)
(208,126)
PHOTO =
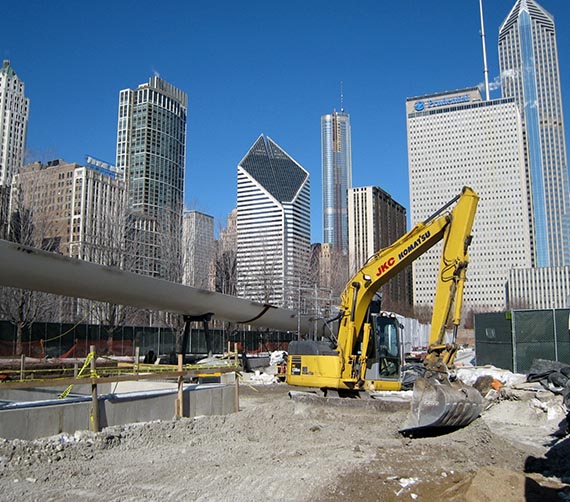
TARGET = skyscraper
(456,139)
(528,59)
(337,178)
(273,225)
(151,150)
(14,110)
(375,221)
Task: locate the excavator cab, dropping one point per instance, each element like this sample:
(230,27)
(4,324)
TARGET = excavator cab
(366,351)
(385,355)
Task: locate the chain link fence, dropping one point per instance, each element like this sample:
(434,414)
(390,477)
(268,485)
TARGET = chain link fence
(44,339)
(514,339)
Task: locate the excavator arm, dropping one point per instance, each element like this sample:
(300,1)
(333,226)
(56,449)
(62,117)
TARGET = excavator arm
(453,227)
(348,366)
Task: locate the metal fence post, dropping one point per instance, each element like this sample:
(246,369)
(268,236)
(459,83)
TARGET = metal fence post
(555,335)
(514,340)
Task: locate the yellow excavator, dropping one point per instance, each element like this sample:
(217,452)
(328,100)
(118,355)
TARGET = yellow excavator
(364,351)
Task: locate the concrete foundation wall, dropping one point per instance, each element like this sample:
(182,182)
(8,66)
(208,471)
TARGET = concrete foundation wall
(33,420)
(36,422)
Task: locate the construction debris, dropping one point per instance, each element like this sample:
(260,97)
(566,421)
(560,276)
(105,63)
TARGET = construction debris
(279,449)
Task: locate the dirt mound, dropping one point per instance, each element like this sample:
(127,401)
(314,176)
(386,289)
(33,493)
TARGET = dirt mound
(275,449)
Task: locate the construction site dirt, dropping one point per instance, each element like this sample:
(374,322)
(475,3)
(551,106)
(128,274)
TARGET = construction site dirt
(282,449)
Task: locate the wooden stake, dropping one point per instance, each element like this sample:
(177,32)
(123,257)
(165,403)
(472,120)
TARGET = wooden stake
(179,406)
(236,391)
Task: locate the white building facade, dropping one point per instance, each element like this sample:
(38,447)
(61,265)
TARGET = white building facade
(539,288)
(98,217)
(14,111)
(456,139)
(197,248)
(273,225)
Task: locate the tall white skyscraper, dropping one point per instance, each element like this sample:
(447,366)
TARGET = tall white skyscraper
(14,111)
(336,153)
(456,139)
(273,225)
(151,150)
(528,59)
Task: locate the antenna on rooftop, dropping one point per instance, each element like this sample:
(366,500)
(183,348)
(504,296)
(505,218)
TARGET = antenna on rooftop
(485,68)
(341,97)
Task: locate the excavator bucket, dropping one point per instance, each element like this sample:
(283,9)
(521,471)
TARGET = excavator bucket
(437,405)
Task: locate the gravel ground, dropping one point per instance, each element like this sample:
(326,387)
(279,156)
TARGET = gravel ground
(279,449)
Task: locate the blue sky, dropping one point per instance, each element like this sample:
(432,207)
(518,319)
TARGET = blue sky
(252,67)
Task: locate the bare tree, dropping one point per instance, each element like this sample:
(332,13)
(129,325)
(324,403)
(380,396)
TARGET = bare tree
(225,270)
(22,308)
(29,227)
(259,274)
(423,313)
(100,234)
(4,213)
(170,257)
(399,307)
(328,271)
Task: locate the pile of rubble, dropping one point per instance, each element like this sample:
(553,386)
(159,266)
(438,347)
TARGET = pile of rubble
(282,450)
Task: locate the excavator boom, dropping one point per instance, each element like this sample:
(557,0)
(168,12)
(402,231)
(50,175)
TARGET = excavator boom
(348,365)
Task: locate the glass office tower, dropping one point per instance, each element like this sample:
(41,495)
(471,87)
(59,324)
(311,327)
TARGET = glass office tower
(528,58)
(151,151)
(336,178)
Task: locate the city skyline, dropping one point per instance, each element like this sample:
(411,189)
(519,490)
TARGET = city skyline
(245,67)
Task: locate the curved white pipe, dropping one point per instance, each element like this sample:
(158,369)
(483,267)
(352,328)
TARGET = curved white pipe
(30,268)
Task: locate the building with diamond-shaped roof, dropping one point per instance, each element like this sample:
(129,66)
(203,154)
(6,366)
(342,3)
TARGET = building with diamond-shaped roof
(273,225)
